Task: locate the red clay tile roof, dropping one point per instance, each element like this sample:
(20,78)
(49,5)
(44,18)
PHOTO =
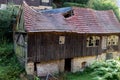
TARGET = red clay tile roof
(38,22)
(84,20)
(91,21)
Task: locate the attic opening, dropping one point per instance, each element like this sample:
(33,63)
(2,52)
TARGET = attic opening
(67,64)
(68,14)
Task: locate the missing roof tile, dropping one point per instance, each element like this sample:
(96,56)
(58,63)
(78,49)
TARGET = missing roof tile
(68,14)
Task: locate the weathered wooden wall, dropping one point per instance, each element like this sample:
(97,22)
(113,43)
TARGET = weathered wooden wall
(45,46)
(20,47)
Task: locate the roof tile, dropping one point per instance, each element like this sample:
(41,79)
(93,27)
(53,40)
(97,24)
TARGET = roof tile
(84,20)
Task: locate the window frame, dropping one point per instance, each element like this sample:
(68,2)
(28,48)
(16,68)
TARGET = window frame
(95,41)
(112,40)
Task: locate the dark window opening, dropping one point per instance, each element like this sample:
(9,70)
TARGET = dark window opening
(84,64)
(90,43)
(35,66)
(68,64)
(68,14)
(97,42)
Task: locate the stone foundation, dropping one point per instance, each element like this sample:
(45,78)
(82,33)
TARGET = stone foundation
(76,63)
(30,68)
(116,55)
(57,66)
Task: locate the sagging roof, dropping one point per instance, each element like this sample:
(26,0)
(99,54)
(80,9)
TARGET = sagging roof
(38,22)
(84,20)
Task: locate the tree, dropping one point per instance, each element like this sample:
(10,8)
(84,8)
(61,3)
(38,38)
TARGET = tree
(104,5)
(7,17)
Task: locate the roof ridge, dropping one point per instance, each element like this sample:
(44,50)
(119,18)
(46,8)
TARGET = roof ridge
(25,4)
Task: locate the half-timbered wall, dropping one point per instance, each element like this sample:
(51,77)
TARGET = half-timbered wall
(20,44)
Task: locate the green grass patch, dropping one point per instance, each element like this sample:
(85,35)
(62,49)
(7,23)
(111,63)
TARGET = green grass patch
(76,76)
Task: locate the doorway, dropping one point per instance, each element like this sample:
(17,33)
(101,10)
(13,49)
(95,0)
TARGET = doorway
(67,64)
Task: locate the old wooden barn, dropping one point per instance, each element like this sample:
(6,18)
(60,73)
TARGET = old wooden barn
(65,42)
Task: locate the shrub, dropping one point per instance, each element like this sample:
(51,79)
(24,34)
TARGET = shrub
(69,4)
(9,65)
(106,70)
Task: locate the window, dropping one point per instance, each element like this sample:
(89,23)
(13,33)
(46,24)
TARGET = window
(112,40)
(45,1)
(61,39)
(93,41)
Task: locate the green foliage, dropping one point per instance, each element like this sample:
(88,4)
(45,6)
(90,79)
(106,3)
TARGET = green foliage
(106,70)
(9,65)
(69,4)
(54,6)
(7,19)
(104,5)
(76,76)
(6,50)
(76,1)
(36,78)
(94,4)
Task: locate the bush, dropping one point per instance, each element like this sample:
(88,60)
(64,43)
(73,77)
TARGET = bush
(106,70)
(69,4)
(9,65)
(7,19)
(6,49)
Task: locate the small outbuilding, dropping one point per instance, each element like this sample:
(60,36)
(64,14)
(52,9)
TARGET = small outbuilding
(53,43)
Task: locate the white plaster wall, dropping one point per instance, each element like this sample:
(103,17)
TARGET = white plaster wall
(76,62)
(61,65)
(51,67)
(3,6)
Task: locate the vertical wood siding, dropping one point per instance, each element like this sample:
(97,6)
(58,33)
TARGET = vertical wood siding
(45,46)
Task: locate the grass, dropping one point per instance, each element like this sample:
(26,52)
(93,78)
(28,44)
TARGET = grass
(76,76)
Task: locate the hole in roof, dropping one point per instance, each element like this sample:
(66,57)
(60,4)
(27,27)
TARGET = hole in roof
(68,14)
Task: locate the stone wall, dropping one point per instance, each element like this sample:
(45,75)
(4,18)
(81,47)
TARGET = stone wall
(76,63)
(50,67)
(57,66)
(29,68)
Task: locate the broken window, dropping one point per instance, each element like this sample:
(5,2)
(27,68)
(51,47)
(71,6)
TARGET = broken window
(93,41)
(61,39)
(112,40)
